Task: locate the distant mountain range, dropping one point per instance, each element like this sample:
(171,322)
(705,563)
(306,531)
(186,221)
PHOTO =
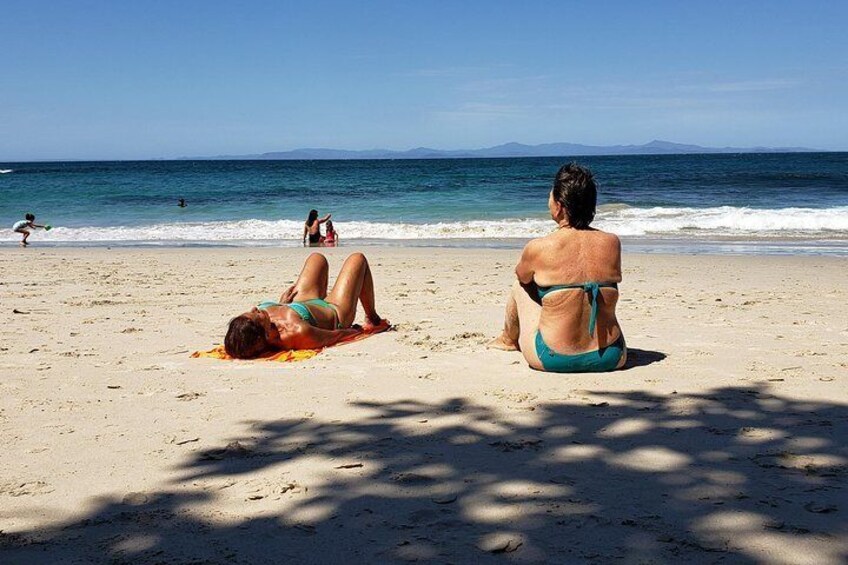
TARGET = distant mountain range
(656,147)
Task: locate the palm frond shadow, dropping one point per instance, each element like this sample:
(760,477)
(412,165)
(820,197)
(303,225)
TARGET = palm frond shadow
(730,473)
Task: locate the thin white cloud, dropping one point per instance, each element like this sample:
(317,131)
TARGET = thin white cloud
(743,86)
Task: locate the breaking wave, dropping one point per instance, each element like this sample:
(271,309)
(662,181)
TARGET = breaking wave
(625,221)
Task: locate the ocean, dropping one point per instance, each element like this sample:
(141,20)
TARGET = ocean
(729,203)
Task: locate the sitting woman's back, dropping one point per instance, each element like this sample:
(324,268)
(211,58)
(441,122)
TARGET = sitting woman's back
(561,313)
(566,289)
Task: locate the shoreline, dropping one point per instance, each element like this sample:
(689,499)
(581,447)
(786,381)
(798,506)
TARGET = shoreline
(731,416)
(724,246)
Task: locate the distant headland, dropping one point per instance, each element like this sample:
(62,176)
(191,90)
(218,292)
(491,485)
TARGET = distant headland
(656,147)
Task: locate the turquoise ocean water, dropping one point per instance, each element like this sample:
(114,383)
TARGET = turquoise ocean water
(747,203)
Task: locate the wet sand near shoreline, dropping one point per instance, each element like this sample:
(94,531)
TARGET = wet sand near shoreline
(724,439)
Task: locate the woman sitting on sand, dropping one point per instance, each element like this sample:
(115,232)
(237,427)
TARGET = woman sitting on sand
(317,319)
(312,228)
(561,312)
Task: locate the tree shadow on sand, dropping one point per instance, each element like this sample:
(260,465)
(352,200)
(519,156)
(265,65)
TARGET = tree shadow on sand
(733,474)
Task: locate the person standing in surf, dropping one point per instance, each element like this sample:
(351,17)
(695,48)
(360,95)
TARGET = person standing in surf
(312,228)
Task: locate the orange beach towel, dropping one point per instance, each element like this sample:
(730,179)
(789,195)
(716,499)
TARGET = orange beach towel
(293,355)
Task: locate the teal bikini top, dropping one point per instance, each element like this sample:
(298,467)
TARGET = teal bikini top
(298,307)
(302,310)
(591,288)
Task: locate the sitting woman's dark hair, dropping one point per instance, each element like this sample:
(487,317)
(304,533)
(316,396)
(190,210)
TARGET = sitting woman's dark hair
(30,217)
(574,188)
(313,215)
(245,338)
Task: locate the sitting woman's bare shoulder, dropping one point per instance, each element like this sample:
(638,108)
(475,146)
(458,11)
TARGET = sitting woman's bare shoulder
(607,239)
(536,248)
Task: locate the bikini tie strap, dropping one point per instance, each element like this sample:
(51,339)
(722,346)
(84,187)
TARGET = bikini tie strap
(592,289)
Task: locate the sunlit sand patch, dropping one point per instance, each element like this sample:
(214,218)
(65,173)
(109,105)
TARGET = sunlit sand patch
(511,489)
(759,538)
(576,453)
(808,442)
(685,407)
(522,501)
(464,439)
(351,438)
(680,424)
(136,543)
(626,427)
(651,459)
(772,404)
(759,435)
(810,463)
(745,414)
(312,512)
(434,470)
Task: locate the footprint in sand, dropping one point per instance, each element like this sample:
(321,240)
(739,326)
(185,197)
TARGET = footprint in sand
(28,488)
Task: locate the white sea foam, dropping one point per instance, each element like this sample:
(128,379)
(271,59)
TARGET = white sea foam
(4,171)
(626,221)
(727,220)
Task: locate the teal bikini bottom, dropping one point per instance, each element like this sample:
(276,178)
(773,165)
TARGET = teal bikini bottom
(599,361)
(302,310)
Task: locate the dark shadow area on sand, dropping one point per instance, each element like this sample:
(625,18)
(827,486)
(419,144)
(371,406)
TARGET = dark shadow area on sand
(642,357)
(721,476)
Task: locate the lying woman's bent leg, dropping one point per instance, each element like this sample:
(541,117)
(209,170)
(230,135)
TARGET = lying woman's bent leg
(353,284)
(313,278)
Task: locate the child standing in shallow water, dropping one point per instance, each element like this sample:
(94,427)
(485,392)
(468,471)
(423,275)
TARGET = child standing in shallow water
(24,226)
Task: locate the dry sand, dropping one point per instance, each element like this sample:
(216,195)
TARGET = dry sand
(725,440)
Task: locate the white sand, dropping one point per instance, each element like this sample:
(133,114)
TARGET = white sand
(725,441)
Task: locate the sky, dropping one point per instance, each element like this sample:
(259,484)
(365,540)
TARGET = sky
(124,79)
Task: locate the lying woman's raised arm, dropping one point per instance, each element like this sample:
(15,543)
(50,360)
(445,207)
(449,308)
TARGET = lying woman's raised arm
(326,338)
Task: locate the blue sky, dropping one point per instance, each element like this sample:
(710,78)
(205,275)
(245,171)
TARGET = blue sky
(141,79)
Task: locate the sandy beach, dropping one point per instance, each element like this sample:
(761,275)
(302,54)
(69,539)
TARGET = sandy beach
(723,440)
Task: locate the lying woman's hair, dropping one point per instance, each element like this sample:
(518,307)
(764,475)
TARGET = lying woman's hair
(574,188)
(245,338)
(313,215)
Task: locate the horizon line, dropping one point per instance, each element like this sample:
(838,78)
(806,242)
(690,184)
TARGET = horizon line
(708,150)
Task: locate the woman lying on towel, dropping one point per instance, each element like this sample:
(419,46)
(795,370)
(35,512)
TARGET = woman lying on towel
(561,312)
(307,317)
